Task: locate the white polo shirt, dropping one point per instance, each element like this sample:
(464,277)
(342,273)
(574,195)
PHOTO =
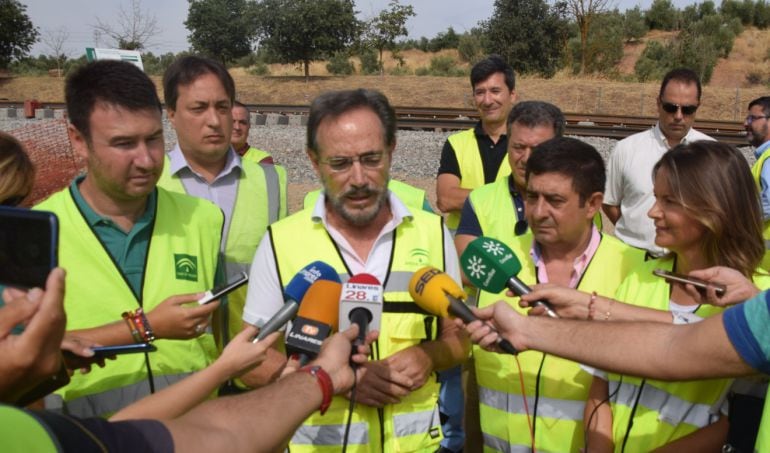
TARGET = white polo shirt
(629,184)
(265,294)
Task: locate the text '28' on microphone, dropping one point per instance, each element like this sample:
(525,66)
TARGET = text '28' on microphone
(295,292)
(492,266)
(315,321)
(437,293)
(361,303)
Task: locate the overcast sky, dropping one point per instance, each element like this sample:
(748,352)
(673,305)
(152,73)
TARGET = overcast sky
(77,16)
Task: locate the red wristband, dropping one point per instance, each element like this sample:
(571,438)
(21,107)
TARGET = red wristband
(325,381)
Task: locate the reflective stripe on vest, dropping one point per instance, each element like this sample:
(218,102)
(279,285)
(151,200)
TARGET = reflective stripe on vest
(546,407)
(468,155)
(330,435)
(409,195)
(276,183)
(498,444)
(181,259)
(671,408)
(411,424)
(113,400)
(562,385)
(667,410)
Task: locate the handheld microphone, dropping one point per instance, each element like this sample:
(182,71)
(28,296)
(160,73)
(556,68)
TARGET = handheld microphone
(294,292)
(435,292)
(492,266)
(315,321)
(361,303)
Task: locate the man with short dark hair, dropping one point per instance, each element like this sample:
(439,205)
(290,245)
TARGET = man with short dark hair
(564,183)
(474,157)
(129,245)
(358,226)
(628,196)
(199,94)
(529,124)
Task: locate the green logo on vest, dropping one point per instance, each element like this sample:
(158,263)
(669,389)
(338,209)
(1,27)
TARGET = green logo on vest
(418,257)
(186,267)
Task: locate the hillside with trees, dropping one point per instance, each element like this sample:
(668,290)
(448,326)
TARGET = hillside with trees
(581,38)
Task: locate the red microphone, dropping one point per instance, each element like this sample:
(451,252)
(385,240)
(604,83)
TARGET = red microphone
(361,304)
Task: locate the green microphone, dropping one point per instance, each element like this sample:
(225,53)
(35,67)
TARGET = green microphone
(492,266)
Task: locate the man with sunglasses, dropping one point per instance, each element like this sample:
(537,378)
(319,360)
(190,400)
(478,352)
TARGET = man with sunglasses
(358,226)
(628,196)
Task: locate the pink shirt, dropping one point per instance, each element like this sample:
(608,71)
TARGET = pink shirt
(578,266)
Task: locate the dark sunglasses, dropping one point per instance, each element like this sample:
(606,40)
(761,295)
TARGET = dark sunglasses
(13,201)
(672,108)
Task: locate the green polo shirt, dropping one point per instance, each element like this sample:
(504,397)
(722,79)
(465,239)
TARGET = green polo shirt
(128,249)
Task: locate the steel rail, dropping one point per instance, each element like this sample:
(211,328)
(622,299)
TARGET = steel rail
(450,119)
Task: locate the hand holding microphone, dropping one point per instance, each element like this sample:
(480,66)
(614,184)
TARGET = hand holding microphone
(435,292)
(492,266)
(360,303)
(315,321)
(295,292)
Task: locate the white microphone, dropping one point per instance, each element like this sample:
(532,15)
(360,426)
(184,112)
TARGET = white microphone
(361,303)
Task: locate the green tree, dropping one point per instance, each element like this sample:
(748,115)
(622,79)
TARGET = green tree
(383,30)
(17,33)
(655,60)
(662,15)
(300,31)
(585,12)
(634,26)
(222,29)
(448,39)
(529,34)
(469,46)
(339,64)
(762,14)
(604,47)
(743,10)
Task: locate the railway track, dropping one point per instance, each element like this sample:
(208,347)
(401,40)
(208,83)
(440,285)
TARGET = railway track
(578,124)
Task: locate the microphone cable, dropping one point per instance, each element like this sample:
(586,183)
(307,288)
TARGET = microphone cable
(593,412)
(351,406)
(526,404)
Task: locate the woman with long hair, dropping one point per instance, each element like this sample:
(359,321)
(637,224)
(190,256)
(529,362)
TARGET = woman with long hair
(707,214)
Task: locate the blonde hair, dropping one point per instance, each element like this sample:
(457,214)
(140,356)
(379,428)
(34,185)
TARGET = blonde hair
(17,174)
(712,181)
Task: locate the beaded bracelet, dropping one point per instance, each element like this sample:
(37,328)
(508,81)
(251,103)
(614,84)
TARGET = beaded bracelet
(591,307)
(147,333)
(325,382)
(128,317)
(609,310)
(139,326)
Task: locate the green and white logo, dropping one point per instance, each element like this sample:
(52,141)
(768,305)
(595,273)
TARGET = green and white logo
(186,267)
(418,257)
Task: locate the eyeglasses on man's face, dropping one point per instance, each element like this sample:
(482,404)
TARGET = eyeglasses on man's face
(670,107)
(751,118)
(343,163)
